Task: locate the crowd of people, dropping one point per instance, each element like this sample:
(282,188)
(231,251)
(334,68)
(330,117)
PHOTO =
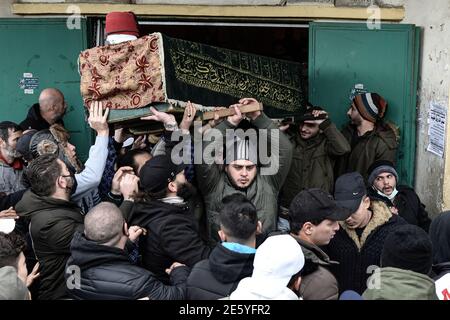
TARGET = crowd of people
(241,207)
(135,222)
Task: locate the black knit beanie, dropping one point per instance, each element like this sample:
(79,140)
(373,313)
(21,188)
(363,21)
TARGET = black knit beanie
(408,247)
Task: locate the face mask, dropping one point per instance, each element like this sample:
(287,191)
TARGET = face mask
(391,196)
(73,186)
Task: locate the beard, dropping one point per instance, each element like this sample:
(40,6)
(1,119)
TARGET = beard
(11,153)
(186,191)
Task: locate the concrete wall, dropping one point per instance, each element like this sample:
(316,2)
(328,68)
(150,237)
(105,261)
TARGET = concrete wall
(434,19)
(5,9)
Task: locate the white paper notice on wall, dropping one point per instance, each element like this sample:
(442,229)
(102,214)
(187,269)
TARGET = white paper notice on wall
(437,119)
(28,83)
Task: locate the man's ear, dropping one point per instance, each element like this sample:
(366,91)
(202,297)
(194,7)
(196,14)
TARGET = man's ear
(125,229)
(222,235)
(259,227)
(366,202)
(172,186)
(308,228)
(61,182)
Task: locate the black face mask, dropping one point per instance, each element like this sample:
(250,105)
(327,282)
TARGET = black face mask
(186,191)
(74,185)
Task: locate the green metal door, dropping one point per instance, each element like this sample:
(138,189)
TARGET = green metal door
(384,60)
(41,53)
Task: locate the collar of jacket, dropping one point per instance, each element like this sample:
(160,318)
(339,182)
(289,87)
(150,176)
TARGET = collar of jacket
(380,215)
(313,252)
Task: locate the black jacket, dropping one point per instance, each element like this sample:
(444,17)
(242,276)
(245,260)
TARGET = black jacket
(171,236)
(53,224)
(106,273)
(34,120)
(218,276)
(356,254)
(440,237)
(410,208)
(408,205)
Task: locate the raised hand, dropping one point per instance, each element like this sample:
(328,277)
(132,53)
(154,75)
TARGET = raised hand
(188,116)
(97,119)
(129,186)
(122,171)
(160,116)
(251,101)
(237,117)
(318,113)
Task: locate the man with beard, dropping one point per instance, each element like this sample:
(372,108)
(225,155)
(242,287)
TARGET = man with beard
(53,220)
(11,166)
(50,110)
(241,173)
(401,199)
(162,209)
(369,136)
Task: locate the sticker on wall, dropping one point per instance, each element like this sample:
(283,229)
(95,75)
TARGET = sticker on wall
(28,83)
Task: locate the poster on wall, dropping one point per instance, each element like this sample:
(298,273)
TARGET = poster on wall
(437,119)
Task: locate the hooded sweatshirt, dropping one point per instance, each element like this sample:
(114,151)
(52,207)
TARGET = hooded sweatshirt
(34,120)
(11,287)
(219,275)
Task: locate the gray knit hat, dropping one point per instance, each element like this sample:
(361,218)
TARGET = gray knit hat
(241,150)
(379,167)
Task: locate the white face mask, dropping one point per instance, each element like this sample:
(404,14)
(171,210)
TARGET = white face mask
(391,196)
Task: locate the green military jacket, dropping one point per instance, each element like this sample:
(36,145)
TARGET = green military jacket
(379,144)
(313,162)
(399,284)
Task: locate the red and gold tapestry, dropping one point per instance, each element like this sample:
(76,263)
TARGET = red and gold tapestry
(128,75)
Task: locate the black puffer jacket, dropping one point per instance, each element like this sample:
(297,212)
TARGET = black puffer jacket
(53,224)
(107,274)
(219,275)
(357,256)
(440,237)
(172,236)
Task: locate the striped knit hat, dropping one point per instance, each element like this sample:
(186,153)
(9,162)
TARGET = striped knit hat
(371,106)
